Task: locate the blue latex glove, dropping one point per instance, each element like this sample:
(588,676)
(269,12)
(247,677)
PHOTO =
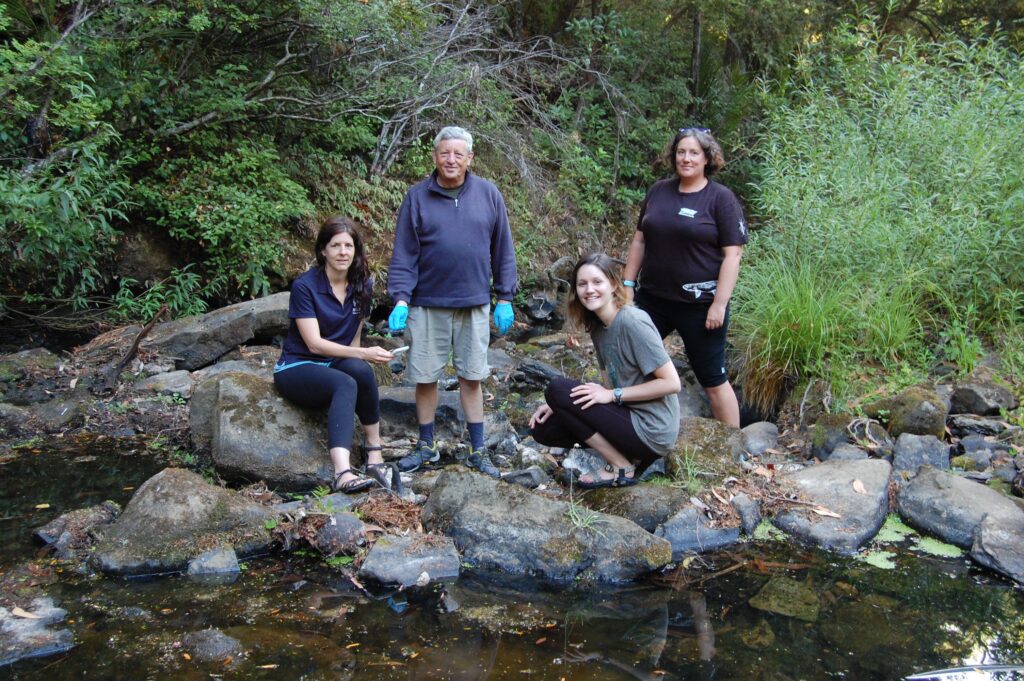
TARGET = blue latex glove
(503,317)
(396,321)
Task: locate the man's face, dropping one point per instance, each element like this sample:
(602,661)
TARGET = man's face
(452,159)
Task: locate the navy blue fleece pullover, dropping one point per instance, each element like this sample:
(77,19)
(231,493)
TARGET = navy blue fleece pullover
(447,250)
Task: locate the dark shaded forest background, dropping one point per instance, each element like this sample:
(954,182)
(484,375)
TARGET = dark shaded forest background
(182,153)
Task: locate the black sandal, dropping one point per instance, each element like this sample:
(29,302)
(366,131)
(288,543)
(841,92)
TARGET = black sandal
(357,484)
(384,474)
(620,479)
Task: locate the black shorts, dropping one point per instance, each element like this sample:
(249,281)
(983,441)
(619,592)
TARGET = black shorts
(705,349)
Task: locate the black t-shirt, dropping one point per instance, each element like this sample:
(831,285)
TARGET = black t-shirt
(683,237)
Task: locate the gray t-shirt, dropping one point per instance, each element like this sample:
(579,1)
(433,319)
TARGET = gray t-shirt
(629,351)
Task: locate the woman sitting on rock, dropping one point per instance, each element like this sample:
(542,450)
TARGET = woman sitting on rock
(636,419)
(321,362)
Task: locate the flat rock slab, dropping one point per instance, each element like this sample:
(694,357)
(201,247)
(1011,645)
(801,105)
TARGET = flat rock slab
(404,560)
(832,485)
(196,341)
(22,638)
(689,532)
(175,516)
(951,507)
(504,527)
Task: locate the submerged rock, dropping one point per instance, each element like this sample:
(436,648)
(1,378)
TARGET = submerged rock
(833,486)
(504,527)
(175,516)
(212,645)
(785,596)
(27,637)
(405,560)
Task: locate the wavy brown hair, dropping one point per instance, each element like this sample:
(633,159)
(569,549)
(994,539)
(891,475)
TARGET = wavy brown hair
(707,142)
(359,280)
(581,316)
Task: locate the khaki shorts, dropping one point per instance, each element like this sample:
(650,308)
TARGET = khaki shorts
(436,333)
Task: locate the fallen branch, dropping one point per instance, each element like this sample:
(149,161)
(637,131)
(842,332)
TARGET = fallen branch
(107,378)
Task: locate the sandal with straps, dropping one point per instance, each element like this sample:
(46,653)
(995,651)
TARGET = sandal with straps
(356,484)
(384,474)
(622,478)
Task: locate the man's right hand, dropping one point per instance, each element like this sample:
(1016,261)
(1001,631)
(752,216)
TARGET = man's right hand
(396,321)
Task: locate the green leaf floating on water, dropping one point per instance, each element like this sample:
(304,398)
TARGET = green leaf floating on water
(894,530)
(934,547)
(879,559)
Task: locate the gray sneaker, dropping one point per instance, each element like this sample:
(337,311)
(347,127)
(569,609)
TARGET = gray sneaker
(480,460)
(423,454)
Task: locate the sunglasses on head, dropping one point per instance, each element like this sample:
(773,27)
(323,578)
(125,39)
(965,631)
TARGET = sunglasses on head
(692,129)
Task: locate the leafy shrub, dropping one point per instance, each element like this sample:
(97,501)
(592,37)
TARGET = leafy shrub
(232,207)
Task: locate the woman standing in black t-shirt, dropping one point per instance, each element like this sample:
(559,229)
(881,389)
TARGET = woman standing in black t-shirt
(687,249)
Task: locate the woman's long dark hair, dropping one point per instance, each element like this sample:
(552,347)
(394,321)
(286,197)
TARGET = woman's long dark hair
(359,283)
(581,316)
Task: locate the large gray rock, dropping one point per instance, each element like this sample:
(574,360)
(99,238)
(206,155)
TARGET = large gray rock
(197,341)
(759,437)
(952,508)
(252,433)
(22,638)
(981,396)
(404,560)
(175,516)
(689,532)
(504,527)
(999,546)
(914,451)
(833,485)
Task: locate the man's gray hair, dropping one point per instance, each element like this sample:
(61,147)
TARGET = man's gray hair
(452,132)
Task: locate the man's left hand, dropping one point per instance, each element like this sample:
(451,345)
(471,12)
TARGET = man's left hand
(503,317)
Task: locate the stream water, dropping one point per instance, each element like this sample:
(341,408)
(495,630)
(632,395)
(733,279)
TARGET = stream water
(297,618)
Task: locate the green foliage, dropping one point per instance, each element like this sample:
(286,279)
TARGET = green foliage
(232,207)
(891,188)
(180,292)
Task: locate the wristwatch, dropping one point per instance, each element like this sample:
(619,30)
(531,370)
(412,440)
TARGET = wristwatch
(617,394)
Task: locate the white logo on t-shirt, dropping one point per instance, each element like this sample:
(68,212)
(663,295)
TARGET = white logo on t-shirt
(743,228)
(687,212)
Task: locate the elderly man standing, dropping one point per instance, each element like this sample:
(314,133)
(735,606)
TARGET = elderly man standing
(452,241)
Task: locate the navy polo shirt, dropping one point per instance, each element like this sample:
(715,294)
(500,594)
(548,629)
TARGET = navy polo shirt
(313,298)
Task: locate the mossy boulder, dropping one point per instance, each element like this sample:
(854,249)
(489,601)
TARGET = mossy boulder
(175,516)
(917,410)
(707,450)
(827,433)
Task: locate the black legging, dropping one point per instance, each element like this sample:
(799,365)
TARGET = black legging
(569,425)
(347,385)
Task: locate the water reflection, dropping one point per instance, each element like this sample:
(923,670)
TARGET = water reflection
(297,619)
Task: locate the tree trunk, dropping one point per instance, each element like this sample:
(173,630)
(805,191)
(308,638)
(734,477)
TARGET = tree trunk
(693,107)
